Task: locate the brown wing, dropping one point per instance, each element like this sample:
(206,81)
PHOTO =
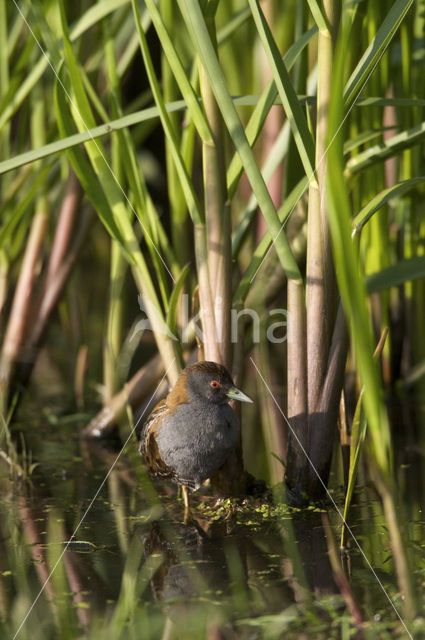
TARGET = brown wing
(148,446)
(156,412)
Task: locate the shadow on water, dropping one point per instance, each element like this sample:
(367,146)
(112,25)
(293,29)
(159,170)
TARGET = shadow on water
(248,569)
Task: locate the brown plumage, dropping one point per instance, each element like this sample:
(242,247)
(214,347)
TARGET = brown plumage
(148,446)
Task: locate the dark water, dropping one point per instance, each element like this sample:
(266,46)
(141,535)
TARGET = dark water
(134,569)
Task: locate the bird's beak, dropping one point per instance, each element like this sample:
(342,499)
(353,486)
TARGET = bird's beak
(236,394)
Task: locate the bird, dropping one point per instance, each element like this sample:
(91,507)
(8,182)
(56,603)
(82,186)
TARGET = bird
(189,434)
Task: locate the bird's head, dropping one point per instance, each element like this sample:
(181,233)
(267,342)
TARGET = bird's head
(212,381)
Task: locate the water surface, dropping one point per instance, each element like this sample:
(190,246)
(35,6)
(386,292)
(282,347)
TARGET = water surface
(133,568)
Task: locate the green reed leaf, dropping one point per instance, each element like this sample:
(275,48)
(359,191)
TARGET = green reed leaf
(375,50)
(382,198)
(198,31)
(290,102)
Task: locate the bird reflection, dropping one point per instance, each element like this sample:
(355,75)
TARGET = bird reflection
(216,569)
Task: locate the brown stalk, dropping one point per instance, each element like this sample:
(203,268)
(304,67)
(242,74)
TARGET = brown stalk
(274,429)
(65,225)
(210,344)
(54,286)
(319,358)
(271,129)
(324,421)
(298,439)
(230,480)
(320,286)
(217,213)
(20,313)
(135,391)
(61,262)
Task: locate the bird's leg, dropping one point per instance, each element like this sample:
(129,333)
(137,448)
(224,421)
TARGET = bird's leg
(187,514)
(185,492)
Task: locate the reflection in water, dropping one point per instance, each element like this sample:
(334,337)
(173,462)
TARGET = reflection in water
(252,570)
(242,565)
(214,573)
(313,550)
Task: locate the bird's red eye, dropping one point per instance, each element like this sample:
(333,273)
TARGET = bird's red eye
(214,384)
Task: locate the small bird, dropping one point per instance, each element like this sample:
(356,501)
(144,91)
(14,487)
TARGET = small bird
(190,433)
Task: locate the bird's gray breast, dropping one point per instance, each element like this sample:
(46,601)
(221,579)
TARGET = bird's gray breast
(196,439)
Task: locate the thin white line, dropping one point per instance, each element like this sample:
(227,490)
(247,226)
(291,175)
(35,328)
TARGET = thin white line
(93,139)
(332,500)
(89,507)
(323,156)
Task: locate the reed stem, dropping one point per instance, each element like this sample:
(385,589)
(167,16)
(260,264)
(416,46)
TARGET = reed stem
(217,215)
